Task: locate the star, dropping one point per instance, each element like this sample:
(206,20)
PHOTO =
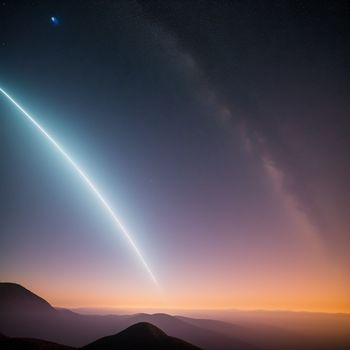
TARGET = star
(54,21)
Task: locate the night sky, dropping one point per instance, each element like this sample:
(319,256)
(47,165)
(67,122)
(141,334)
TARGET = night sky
(218,131)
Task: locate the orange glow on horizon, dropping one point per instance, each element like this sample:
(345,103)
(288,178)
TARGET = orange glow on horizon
(338,303)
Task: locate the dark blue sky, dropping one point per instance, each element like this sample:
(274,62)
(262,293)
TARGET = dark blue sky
(217,130)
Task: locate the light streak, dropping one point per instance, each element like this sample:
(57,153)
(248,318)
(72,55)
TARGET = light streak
(88,182)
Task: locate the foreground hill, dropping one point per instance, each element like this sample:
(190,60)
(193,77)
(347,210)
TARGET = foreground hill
(139,336)
(29,344)
(142,335)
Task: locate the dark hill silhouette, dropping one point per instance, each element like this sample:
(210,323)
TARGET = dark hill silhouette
(203,337)
(30,344)
(141,335)
(15,298)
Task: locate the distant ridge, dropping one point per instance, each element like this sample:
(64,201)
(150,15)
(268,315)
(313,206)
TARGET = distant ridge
(142,335)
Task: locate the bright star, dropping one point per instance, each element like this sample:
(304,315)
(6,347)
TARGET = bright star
(54,21)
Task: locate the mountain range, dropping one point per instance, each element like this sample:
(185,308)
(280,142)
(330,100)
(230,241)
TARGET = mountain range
(26,315)
(27,321)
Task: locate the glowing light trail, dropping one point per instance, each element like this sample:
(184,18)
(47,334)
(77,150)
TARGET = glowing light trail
(88,182)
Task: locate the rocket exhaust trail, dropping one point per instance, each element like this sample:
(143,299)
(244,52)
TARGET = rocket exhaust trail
(88,182)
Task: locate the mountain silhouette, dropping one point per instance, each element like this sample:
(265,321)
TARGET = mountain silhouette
(26,318)
(141,335)
(25,315)
(30,344)
(15,298)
